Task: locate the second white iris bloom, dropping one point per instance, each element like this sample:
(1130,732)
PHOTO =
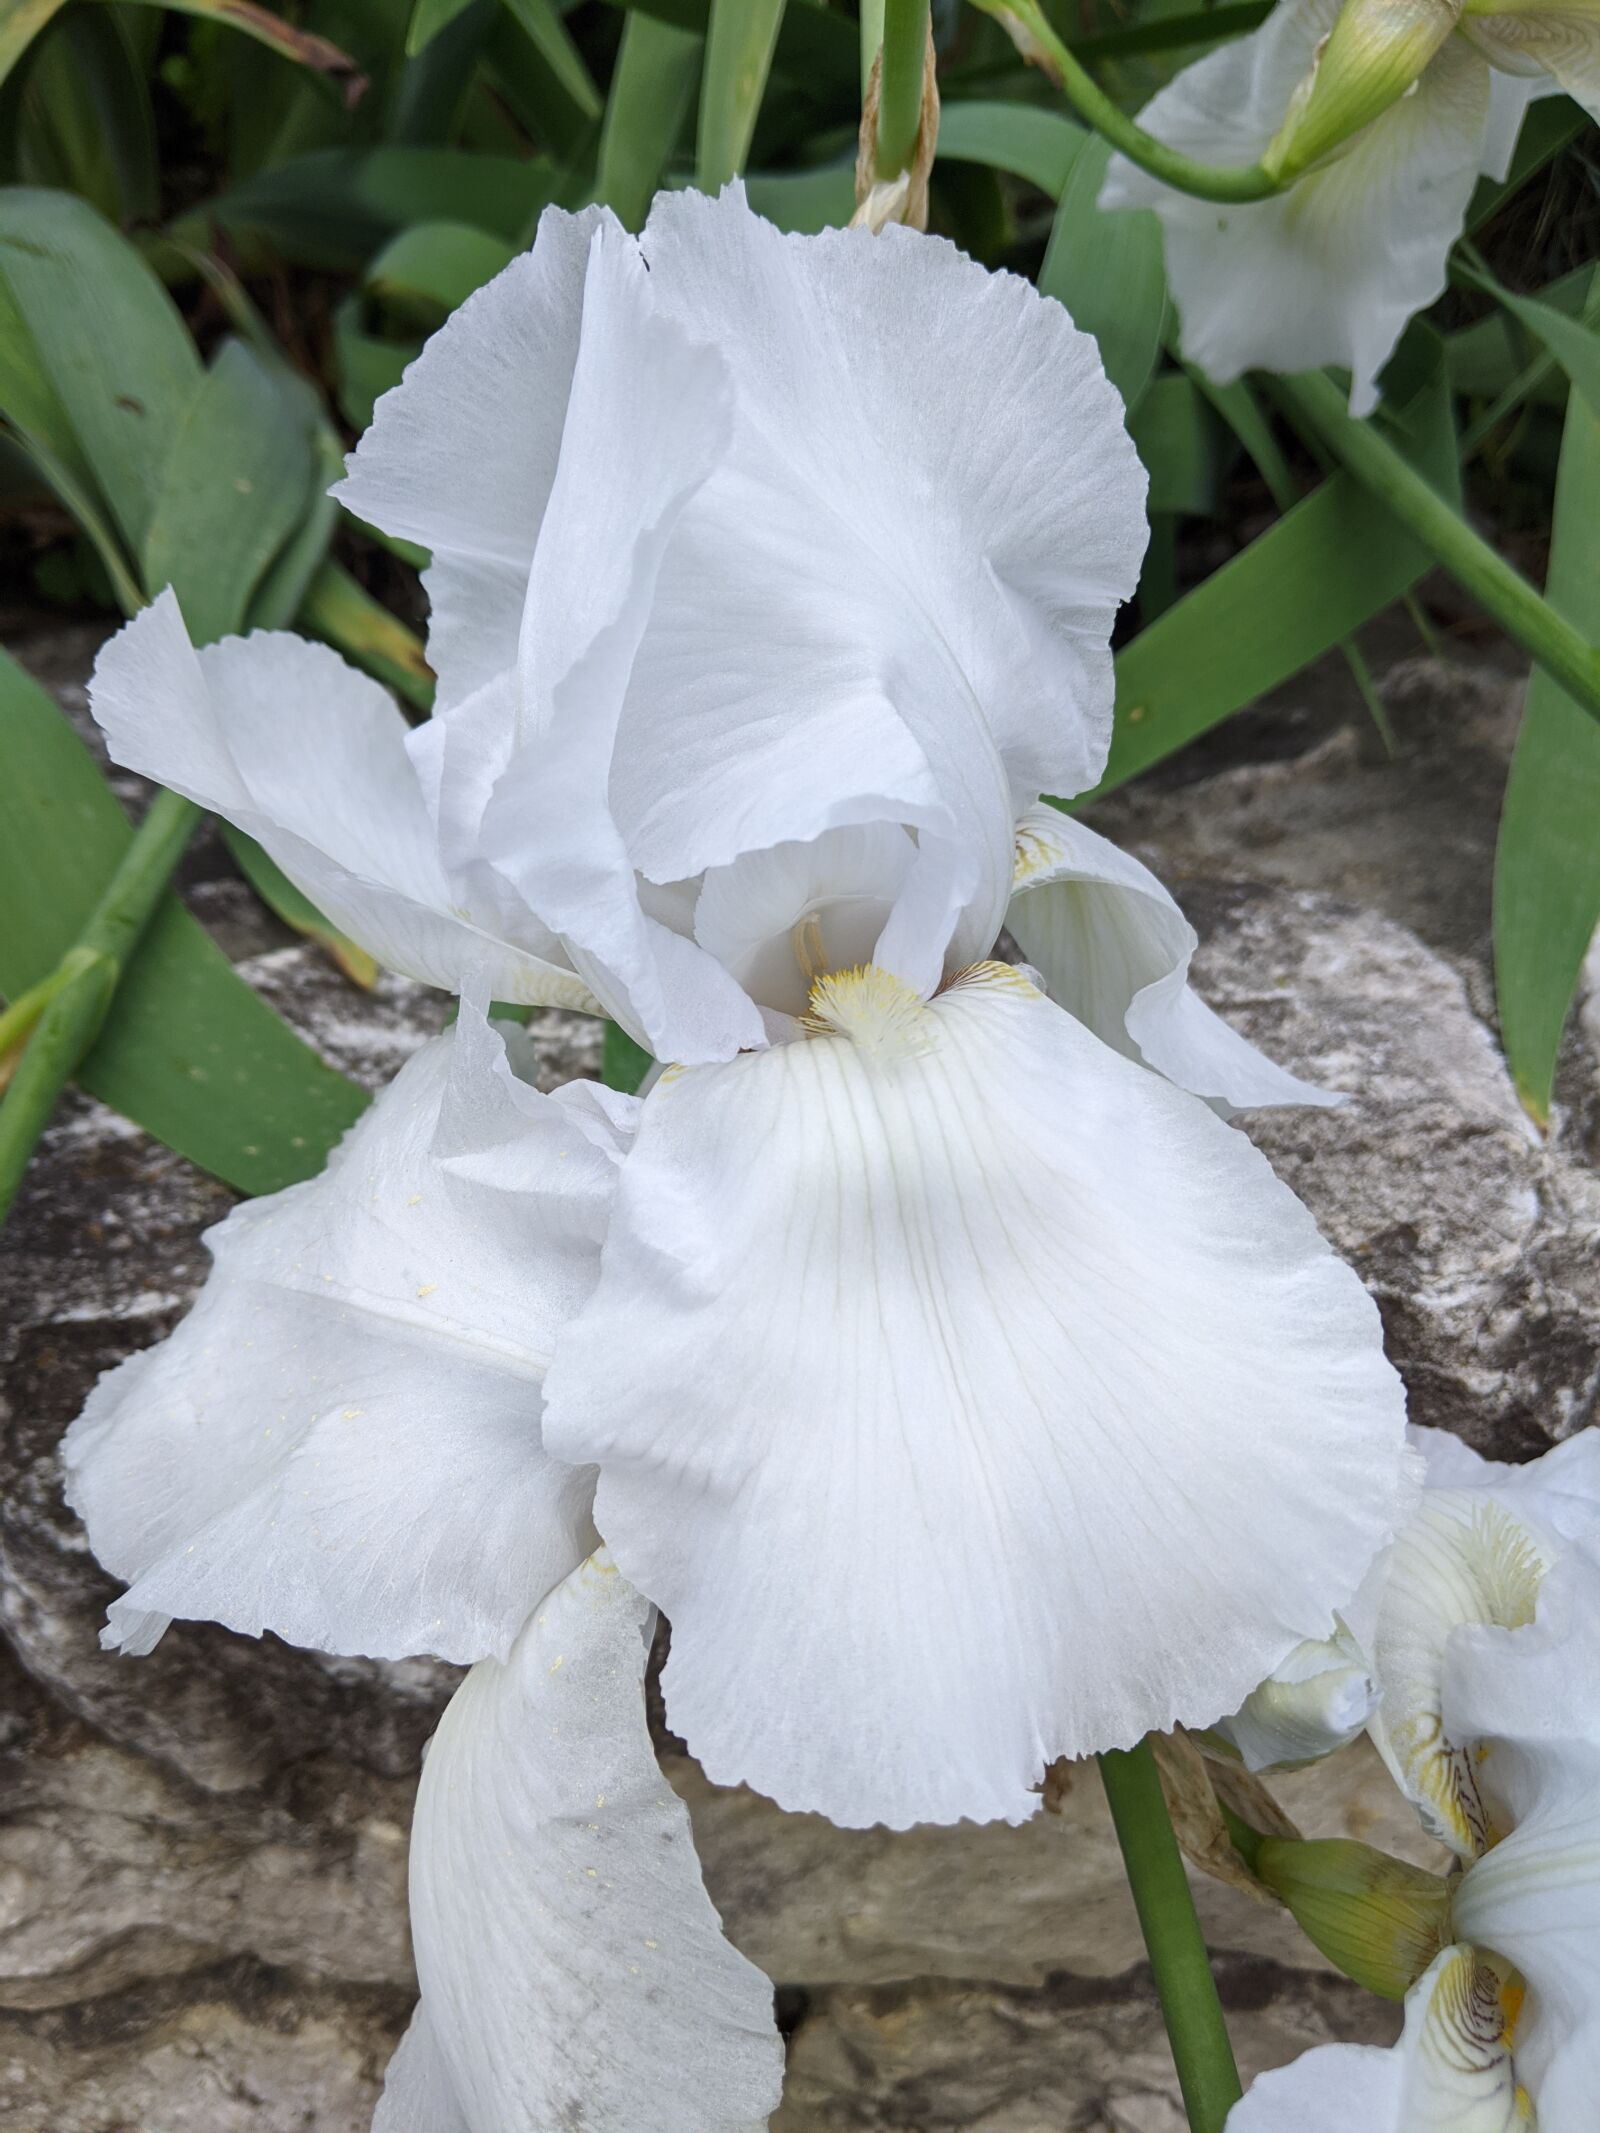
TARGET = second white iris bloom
(1330,269)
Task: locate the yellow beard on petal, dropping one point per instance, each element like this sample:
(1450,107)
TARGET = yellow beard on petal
(883,1016)
(877,1011)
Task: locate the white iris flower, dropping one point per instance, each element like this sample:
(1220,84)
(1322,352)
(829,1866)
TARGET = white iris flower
(965,1392)
(1503,2029)
(1330,270)
(1475,1552)
(963,1387)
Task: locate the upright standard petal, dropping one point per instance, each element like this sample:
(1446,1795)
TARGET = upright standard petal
(462,454)
(1528,1700)
(647,421)
(1330,270)
(967,1396)
(311,759)
(1476,1553)
(573,1969)
(1114,949)
(341,1443)
(792,538)
(929,516)
(1451,2072)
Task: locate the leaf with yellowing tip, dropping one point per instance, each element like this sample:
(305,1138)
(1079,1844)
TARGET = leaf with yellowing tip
(296,909)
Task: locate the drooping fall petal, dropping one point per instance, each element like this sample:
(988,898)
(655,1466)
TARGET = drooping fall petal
(341,1443)
(967,1396)
(573,1969)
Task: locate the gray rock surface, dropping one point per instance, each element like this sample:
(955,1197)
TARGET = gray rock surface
(1066,2057)
(202,1853)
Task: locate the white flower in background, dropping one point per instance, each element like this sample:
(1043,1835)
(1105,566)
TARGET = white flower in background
(342,1444)
(1330,270)
(1483,1535)
(966,1393)
(1476,1553)
(1503,2030)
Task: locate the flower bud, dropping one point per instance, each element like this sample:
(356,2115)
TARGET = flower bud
(1319,1698)
(1373,55)
(1377,1919)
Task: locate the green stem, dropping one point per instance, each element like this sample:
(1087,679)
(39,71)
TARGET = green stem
(16,1024)
(86,980)
(1182,1969)
(1475,566)
(1206,181)
(905,48)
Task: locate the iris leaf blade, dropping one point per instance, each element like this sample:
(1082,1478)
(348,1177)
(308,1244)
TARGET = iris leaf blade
(741,36)
(1547,858)
(108,338)
(191,1054)
(1311,580)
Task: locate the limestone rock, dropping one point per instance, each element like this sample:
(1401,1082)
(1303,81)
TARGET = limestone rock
(238,2049)
(813,1905)
(1066,2057)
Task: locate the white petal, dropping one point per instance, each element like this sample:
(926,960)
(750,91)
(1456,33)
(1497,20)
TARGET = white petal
(1334,2089)
(647,420)
(1559,1491)
(1509,98)
(1562,42)
(928,520)
(1319,1699)
(1331,270)
(418,2093)
(1451,2072)
(461,455)
(1114,950)
(310,758)
(1477,1552)
(967,1396)
(341,1443)
(573,1970)
(1465,1558)
(1530,1698)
